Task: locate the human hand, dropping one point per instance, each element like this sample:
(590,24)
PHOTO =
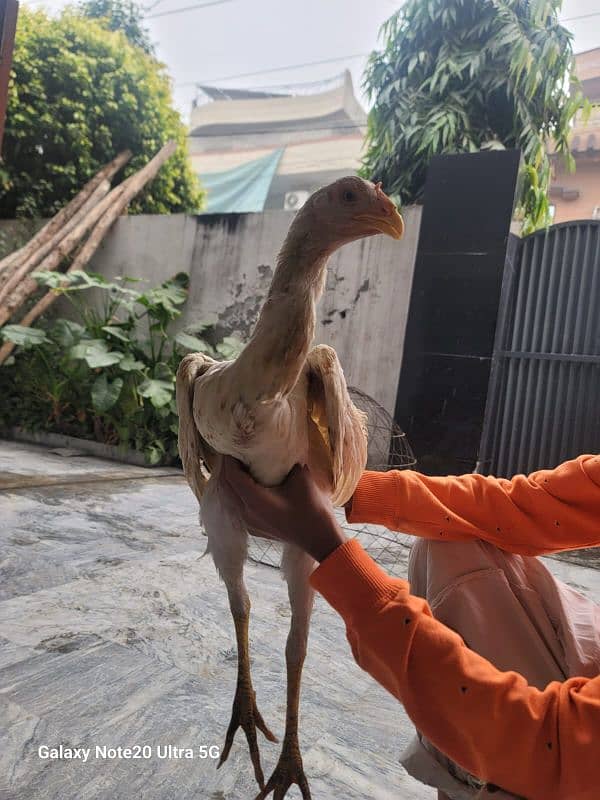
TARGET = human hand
(296,511)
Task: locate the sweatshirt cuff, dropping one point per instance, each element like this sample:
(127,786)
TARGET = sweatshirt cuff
(353,583)
(375,498)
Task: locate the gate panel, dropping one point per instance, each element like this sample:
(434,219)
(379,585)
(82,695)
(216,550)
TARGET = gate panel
(543,404)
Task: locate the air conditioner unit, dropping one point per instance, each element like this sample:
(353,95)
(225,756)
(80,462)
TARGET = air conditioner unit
(295,200)
(596,212)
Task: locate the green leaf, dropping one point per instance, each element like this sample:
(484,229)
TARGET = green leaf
(158,392)
(98,359)
(164,372)
(154,454)
(230,347)
(166,298)
(23,336)
(128,363)
(53,280)
(192,343)
(95,353)
(67,333)
(118,333)
(105,393)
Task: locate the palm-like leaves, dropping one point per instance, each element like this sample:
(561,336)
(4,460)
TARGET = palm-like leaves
(461,75)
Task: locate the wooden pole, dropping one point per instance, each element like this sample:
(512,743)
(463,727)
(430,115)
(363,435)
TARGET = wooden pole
(65,214)
(129,189)
(9,10)
(16,276)
(67,244)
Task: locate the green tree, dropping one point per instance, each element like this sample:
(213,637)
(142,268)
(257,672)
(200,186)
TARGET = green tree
(119,15)
(464,75)
(79,95)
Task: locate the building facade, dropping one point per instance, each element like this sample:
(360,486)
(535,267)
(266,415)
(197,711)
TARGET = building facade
(576,195)
(257,150)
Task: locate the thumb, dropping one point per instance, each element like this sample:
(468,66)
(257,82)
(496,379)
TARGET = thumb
(240,481)
(295,473)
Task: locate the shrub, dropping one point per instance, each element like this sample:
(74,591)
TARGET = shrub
(80,94)
(459,77)
(109,375)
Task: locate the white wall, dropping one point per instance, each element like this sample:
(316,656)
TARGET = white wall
(230,260)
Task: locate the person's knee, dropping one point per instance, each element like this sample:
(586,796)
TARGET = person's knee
(434,565)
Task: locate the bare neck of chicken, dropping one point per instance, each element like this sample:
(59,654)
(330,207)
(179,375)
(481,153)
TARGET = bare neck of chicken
(275,356)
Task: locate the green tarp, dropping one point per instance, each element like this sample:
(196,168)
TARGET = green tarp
(242,189)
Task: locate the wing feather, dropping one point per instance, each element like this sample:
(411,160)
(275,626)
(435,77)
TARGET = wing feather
(197,456)
(341,425)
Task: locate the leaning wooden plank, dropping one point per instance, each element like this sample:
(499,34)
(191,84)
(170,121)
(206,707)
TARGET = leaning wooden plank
(129,189)
(138,182)
(49,229)
(16,276)
(55,258)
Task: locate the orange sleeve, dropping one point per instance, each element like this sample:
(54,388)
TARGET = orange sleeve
(544,512)
(542,745)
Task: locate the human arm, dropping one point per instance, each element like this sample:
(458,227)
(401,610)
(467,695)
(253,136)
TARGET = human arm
(493,724)
(544,512)
(297,512)
(541,745)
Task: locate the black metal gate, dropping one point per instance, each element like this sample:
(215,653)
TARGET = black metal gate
(543,404)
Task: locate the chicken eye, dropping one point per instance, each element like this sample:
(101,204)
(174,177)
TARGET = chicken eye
(349,197)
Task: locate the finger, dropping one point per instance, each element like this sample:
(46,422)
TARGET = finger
(243,484)
(234,472)
(295,476)
(295,472)
(231,468)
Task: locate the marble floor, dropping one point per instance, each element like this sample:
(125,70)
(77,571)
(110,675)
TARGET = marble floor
(115,632)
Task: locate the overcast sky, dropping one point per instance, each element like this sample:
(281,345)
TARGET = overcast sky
(243,36)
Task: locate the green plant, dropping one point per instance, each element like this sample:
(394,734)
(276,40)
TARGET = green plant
(464,75)
(119,15)
(109,374)
(80,94)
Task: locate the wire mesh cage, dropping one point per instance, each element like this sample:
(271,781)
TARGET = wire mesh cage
(388,449)
(388,445)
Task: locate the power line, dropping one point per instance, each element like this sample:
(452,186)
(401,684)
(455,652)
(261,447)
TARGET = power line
(210,81)
(269,71)
(188,8)
(152,6)
(275,131)
(283,89)
(581,16)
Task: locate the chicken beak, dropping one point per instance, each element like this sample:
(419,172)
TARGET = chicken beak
(392,224)
(386,220)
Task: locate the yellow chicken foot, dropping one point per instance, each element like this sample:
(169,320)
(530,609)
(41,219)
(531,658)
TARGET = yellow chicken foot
(245,714)
(289,769)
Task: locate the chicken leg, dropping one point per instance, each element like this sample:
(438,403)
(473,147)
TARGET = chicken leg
(227,543)
(297,567)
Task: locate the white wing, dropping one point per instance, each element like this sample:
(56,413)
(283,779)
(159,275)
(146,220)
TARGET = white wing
(342,427)
(197,456)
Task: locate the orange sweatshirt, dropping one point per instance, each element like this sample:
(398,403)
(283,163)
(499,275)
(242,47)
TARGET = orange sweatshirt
(541,745)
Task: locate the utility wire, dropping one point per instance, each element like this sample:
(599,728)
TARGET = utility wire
(152,6)
(275,131)
(210,81)
(184,9)
(581,16)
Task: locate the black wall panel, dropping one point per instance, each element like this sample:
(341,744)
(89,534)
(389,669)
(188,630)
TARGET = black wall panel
(463,246)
